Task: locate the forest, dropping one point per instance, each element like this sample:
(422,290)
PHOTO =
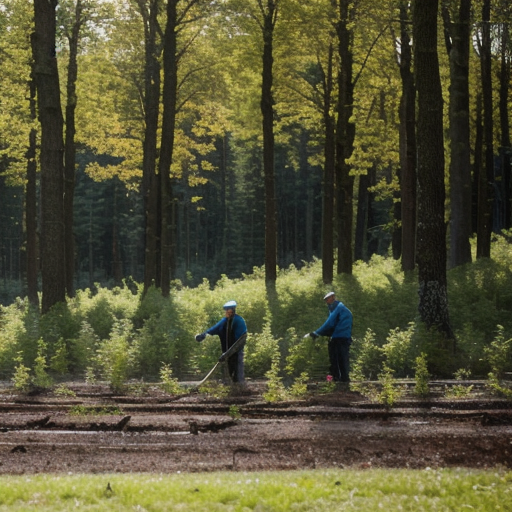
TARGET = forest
(167,149)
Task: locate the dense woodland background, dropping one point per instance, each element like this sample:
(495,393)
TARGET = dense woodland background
(193,139)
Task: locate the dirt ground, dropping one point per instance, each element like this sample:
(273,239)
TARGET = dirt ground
(196,432)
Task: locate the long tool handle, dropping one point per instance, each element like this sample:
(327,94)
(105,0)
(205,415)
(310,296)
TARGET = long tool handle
(208,375)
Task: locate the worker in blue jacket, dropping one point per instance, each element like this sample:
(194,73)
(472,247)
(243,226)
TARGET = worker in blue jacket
(338,327)
(231,330)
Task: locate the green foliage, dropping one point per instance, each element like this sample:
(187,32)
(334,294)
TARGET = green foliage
(421,376)
(161,331)
(95,410)
(276,390)
(21,377)
(321,490)
(328,386)
(299,388)
(368,357)
(169,383)
(41,379)
(61,322)
(398,350)
(499,356)
(116,358)
(457,391)
(390,391)
(260,351)
(63,390)
(234,412)
(215,389)
(59,362)
(304,354)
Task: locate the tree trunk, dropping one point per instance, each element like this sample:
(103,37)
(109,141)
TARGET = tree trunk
(362,218)
(169,99)
(52,149)
(267,110)
(433,298)
(458,33)
(506,146)
(477,163)
(345,135)
(485,190)
(31,202)
(151,110)
(328,181)
(407,136)
(69,149)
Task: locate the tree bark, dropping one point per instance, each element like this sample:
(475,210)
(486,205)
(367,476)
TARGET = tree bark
(458,34)
(485,184)
(433,298)
(169,100)
(267,109)
(151,111)
(31,203)
(345,135)
(69,149)
(52,149)
(328,175)
(506,146)
(407,137)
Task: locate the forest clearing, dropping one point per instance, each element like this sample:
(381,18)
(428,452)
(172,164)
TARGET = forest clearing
(97,432)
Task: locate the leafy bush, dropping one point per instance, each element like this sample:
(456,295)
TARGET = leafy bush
(169,383)
(116,358)
(276,390)
(368,357)
(421,376)
(398,351)
(304,354)
(499,355)
(260,352)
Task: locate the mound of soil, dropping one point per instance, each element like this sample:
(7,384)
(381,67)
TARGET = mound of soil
(95,431)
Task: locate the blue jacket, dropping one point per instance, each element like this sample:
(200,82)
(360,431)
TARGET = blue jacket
(338,323)
(238,328)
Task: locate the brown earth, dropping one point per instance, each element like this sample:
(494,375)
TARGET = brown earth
(195,432)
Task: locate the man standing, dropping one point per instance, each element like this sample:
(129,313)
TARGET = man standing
(338,327)
(232,332)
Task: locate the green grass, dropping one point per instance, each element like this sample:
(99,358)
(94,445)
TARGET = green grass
(308,491)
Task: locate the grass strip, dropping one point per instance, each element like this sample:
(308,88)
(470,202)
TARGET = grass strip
(307,491)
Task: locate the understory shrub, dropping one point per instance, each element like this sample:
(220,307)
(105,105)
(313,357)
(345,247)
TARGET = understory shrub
(117,357)
(499,356)
(261,350)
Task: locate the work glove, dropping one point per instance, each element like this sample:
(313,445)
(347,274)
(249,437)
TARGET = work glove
(313,335)
(200,337)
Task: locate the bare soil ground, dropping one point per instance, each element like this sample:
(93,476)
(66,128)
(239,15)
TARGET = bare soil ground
(155,432)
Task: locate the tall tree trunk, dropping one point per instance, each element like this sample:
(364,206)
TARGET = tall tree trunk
(362,218)
(506,146)
(52,149)
(31,202)
(69,149)
(485,185)
(433,297)
(345,135)
(457,42)
(407,136)
(477,163)
(169,100)
(151,110)
(328,176)
(269,12)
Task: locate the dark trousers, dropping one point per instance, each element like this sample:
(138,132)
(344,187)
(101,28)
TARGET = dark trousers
(339,358)
(236,366)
